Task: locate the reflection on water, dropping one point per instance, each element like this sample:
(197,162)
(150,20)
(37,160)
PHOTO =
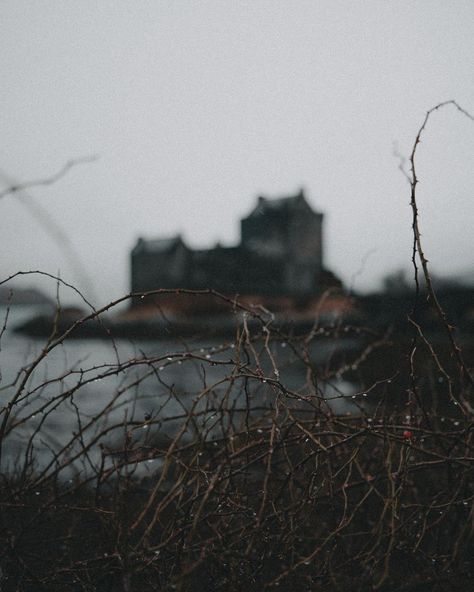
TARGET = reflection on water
(87,396)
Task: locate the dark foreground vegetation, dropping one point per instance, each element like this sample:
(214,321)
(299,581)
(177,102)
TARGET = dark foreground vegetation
(248,482)
(263,474)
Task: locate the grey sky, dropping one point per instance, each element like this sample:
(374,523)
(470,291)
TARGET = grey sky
(197,107)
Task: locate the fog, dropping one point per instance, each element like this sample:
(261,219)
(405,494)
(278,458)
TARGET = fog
(195,108)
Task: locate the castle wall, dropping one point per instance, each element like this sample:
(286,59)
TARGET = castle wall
(236,270)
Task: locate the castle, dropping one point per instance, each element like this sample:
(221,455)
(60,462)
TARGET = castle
(280,254)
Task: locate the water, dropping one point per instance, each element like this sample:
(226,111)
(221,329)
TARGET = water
(86,397)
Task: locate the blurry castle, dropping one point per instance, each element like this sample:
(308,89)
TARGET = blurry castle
(280,255)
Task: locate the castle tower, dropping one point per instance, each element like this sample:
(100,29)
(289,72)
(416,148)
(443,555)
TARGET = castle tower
(289,229)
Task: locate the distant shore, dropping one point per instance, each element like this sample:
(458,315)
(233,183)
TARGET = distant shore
(365,313)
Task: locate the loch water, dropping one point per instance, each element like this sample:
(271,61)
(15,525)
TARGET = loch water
(85,395)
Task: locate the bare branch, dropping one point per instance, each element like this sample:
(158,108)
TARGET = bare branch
(16,187)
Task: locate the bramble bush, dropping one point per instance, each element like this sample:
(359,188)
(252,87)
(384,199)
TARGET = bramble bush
(245,463)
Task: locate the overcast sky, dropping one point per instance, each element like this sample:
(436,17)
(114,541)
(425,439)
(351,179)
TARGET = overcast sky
(197,107)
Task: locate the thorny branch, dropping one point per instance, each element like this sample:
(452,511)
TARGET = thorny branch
(418,248)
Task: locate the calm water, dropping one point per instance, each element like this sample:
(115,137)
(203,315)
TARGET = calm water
(85,379)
